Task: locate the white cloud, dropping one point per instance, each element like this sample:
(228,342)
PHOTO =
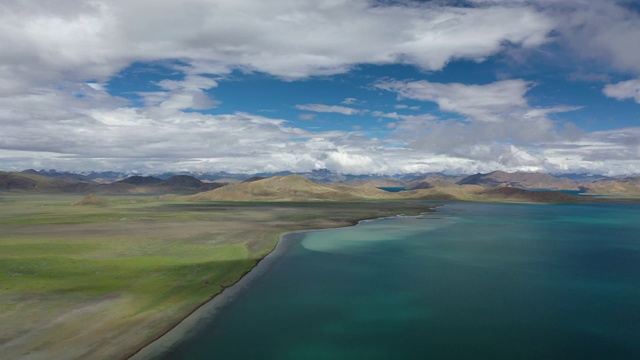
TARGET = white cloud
(601,30)
(56,57)
(97,86)
(393,115)
(329,109)
(499,126)
(497,111)
(604,30)
(188,93)
(489,103)
(611,152)
(95,131)
(629,89)
(92,40)
(190,82)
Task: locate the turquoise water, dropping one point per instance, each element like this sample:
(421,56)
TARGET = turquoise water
(473,281)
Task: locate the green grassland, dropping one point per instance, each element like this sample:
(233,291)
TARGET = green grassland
(99,281)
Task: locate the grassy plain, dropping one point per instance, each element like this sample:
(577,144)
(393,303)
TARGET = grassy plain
(99,281)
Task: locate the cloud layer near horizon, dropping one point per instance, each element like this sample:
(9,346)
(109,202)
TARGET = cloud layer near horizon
(57,112)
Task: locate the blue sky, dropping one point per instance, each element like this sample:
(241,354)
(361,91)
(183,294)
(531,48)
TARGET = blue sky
(354,86)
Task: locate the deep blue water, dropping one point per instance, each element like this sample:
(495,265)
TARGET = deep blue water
(473,281)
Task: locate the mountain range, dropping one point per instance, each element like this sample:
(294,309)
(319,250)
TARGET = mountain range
(299,187)
(37,183)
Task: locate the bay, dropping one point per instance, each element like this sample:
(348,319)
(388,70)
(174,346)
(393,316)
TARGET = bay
(472,281)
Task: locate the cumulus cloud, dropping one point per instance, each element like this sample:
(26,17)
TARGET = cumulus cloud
(498,127)
(392,115)
(629,89)
(488,103)
(402,106)
(57,58)
(497,111)
(601,30)
(43,42)
(607,31)
(189,93)
(610,152)
(329,109)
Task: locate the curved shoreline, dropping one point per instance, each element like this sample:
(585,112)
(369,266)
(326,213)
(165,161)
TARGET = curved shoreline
(207,311)
(210,309)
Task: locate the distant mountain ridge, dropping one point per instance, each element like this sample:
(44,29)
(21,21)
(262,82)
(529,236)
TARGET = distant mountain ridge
(28,182)
(433,180)
(140,180)
(522,180)
(150,184)
(36,183)
(344,186)
(626,186)
(289,188)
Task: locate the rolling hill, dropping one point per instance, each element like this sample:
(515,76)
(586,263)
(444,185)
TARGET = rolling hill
(298,188)
(180,184)
(625,187)
(522,180)
(29,182)
(140,180)
(433,180)
(289,188)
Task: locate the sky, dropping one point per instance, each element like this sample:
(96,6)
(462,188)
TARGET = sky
(351,86)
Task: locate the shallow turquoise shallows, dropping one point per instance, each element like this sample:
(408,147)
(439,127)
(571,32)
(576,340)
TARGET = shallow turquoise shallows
(472,281)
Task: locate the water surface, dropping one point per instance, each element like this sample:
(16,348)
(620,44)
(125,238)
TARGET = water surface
(473,281)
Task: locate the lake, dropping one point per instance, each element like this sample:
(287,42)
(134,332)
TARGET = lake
(472,281)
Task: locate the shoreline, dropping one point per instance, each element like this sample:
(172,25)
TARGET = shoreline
(207,311)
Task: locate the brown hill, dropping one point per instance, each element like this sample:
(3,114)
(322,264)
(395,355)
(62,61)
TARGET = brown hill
(298,188)
(179,184)
(625,187)
(254,178)
(373,183)
(433,180)
(27,182)
(140,180)
(509,194)
(422,185)
(522,180)
(35,183)
(182,181)
(449,193)
(498,194)
(288,188)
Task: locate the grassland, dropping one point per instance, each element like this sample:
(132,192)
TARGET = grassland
(101,280)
